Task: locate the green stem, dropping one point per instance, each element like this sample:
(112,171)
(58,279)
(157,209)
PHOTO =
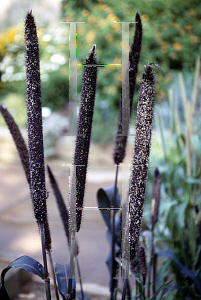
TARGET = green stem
(80,278)
(152,259)
(72,254)
(161,134)
(53,274)
(47,280)
(113,235)
(125,283)
(154,273)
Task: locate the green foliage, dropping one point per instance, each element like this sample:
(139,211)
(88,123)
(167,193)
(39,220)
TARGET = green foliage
(170,38)
(55,92)
(171,31)
(16,104)
(178,126)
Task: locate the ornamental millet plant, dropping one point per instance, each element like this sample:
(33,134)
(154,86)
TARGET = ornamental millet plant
(24,156)
(35,132)
(144,123)
(127,102)
(33,158)
(124,119)
(34,119)
(83,138)
(140,164)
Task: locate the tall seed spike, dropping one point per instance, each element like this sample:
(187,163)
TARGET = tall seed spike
(143,264)
(144,123)
(18,140)
(84,130)
(155,198)
(48,240)
(134,57)
(34,116)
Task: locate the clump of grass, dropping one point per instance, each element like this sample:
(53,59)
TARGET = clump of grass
(33,161)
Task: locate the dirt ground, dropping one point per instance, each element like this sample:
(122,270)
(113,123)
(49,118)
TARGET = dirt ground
(36,291)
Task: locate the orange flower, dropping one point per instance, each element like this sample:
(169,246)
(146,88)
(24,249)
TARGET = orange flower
(177,46)
(85,12)
(145,17)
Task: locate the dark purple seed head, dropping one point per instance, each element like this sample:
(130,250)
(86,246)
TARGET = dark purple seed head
(84,130)
(144,123)
(155,197)
(143,264)
(127,102)
(34,118)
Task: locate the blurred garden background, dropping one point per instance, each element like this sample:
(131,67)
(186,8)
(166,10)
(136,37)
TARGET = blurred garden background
(171,39)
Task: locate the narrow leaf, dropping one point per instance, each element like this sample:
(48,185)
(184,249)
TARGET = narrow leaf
(170,288)
(18,140)
(183,270)
(62,275)
(24,262)
(79,296)
(105,198)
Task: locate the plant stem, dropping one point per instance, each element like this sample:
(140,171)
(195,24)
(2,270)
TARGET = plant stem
(125,282)
(151,263)
(161,130)
(72,254)
(80,278)
(152,257)
(154,271)
(113,234)
(47,280)
(53,274)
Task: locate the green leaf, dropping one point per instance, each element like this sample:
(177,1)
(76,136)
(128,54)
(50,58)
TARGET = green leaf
(198,255)
(196,144)
(165,285)
(79,296)
(192,180)
(29,264)
(24,262)
(168,289)
(181,214)
(161,273)
(105,198)
(183,270)
(62,275)
(167,209)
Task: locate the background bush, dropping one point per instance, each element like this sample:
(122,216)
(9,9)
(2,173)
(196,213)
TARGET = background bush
(171,39)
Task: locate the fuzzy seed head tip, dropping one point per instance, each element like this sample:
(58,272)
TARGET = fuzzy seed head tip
(91,60)
(157,173)
(93,48)
(137,17)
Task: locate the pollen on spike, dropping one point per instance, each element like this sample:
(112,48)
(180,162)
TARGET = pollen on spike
(93,48)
